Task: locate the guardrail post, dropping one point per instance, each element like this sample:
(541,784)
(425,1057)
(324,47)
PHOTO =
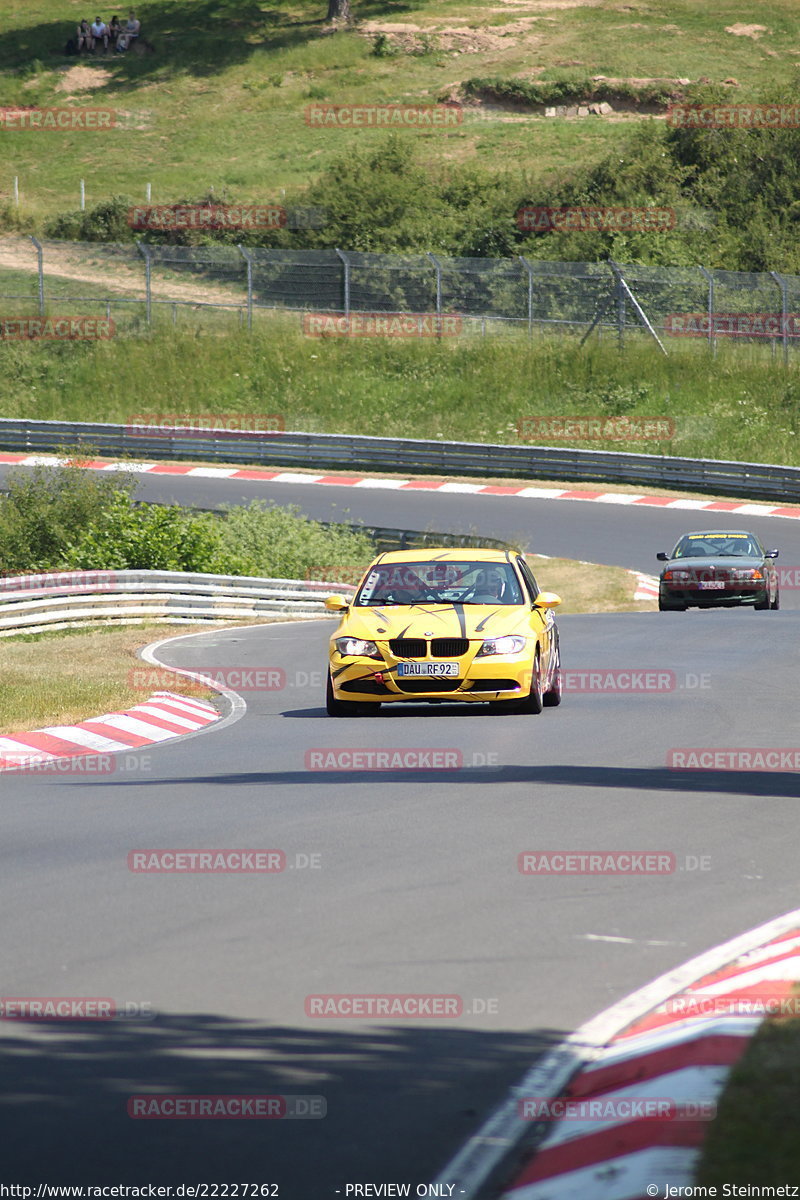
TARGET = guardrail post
(145,253)
(528,267)
(781,282)
(249,260)
(40,270)
(345,281)
(712,341)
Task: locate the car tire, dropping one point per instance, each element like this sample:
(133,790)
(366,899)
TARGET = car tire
(552,697)
(663,606)
(764,604)
(776,603)
(534,701)
(340,708)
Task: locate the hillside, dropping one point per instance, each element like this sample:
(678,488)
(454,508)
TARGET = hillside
(220,103)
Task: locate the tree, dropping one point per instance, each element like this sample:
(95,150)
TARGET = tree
(338,10)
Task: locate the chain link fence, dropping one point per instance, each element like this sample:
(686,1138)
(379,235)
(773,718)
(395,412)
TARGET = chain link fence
(141,285)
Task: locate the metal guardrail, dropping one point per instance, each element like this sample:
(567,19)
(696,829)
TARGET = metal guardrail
(325,451)
(70,599)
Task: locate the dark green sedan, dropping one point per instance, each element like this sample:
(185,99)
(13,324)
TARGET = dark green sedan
(718,568)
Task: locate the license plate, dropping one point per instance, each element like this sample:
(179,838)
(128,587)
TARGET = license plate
(427,668)
(712,584)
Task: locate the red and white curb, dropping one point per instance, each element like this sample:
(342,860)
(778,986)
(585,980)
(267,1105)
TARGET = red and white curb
(431,485)
(163,716)
(646,587)
(603,1143)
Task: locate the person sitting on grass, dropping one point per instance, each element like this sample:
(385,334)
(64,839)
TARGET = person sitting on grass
(99,32)
(84,35)
(114,30)
(132,27)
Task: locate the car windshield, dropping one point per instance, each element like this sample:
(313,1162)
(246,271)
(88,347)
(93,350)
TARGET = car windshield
(719,545)
(440,582)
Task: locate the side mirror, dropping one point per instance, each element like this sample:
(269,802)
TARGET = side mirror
(336,604)
(662,557)
(772,554)
(547,600)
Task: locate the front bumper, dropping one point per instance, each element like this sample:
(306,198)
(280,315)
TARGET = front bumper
(729,597)
(497,677)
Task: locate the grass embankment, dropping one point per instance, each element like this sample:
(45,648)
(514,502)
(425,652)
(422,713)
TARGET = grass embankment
(737,406)
(62,678)
(754,1137)
(221,101)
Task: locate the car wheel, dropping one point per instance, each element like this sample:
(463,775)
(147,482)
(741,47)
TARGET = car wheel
(339,708)
(665,606)
(763,604)
(552,697)
(533,702)
(776,603)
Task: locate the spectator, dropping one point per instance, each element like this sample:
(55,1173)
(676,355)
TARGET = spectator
(99,32)
(114,30)
(132,27)
(84,35)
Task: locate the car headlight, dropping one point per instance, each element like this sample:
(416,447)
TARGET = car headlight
(357,646)
(746,573)
(676,576)
(510,644)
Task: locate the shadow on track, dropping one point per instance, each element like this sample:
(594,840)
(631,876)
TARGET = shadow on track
(642,779)
(399,1100)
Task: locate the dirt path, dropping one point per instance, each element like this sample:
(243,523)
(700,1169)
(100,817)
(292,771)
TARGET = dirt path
(114,277)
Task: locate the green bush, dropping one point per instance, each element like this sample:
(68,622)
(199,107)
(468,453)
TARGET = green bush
(44,507)
(282,543)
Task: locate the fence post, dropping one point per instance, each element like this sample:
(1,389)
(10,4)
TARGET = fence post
(145,253)
(83,196)
(712,341)
(528,267)
(40,261)
(620,310)
(248,259)
(16,191)
(438,267)
(346,280)
(781,282)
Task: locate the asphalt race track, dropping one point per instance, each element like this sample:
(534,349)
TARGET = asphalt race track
(415,887)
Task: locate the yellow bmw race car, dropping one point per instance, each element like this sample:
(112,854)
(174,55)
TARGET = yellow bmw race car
(442,625)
